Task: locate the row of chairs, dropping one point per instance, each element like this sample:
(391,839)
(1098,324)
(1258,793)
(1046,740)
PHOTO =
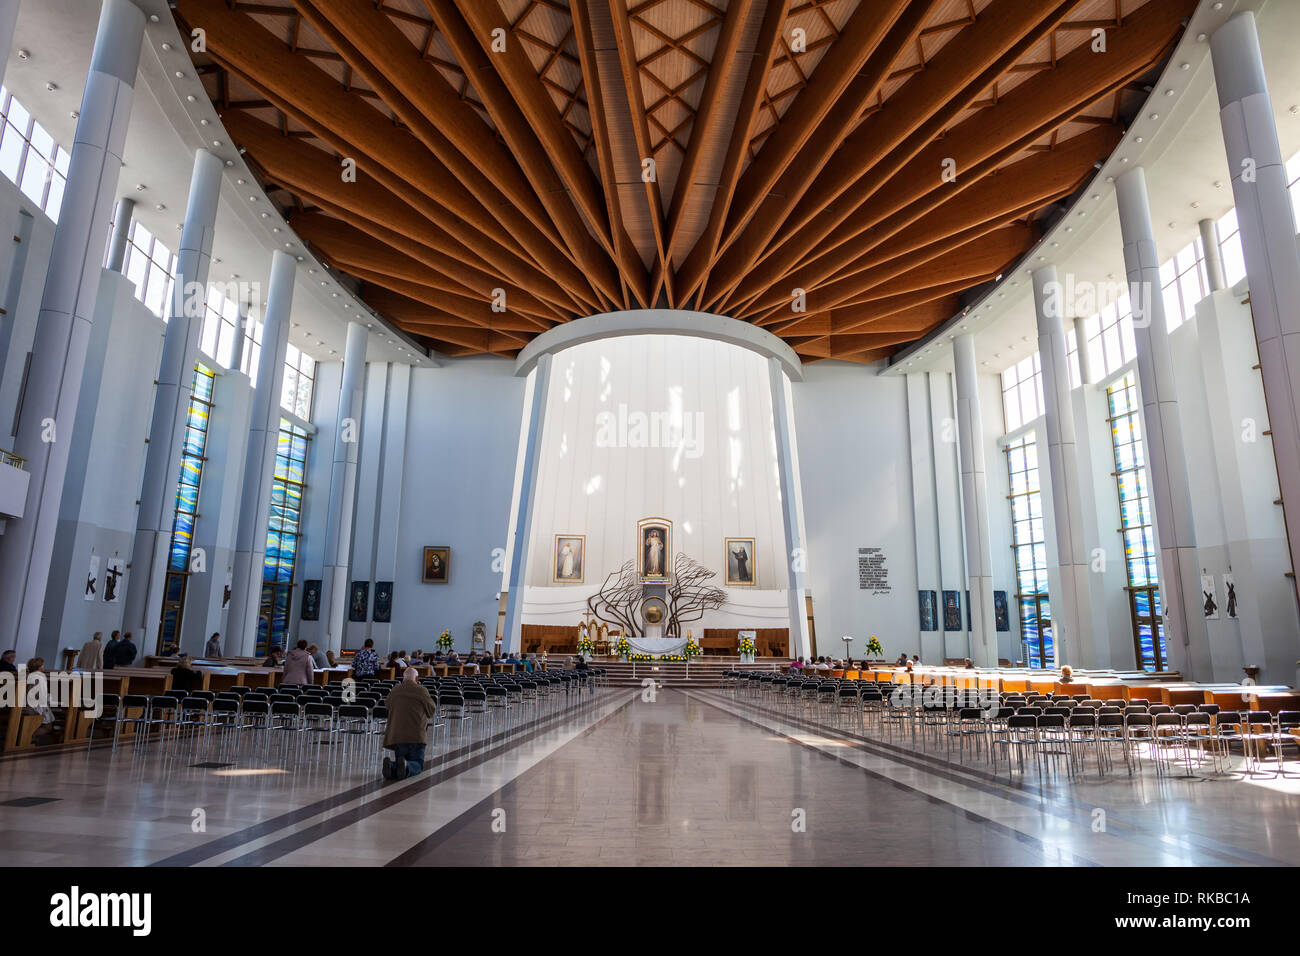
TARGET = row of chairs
(1075,727)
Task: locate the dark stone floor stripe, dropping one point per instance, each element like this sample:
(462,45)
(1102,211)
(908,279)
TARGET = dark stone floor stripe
(1024,792)
(303,838)
(233,841)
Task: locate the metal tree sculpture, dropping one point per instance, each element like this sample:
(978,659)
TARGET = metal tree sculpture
(690,594)
(615,603)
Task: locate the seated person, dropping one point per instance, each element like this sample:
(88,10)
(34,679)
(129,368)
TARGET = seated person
(185,677)
(37,703)
(318,658)
(409,709)
(274,659)
(7,662)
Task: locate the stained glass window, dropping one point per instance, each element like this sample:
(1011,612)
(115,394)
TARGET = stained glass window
(1140,557)
(1030,547)
(186,510)
(282,536)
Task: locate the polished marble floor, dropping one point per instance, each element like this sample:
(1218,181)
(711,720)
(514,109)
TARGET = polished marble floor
(690,778)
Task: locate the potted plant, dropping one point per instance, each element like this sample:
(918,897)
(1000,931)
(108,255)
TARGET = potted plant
(445,642)
(747,649)
(874,650)
(623,648)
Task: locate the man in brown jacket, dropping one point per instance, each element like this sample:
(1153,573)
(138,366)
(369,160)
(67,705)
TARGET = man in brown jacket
(409,709)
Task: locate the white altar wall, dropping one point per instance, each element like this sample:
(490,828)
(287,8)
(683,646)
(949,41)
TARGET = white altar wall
(746,608)
(710,466)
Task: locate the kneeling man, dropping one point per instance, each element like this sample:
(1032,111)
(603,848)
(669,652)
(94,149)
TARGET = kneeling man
(409,709)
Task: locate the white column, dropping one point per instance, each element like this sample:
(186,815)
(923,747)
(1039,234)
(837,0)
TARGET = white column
(259,465)
(8,20)
(343,488)
(1268,243)
(1213,256)
(241,333)
(975,509)
(1085,359)
(1166,465)
(121,231)
(787,466)
(523,510)
(63,325)
(1071,620)
(162,464)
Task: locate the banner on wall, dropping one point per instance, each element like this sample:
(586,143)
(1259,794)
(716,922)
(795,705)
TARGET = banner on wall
(383,602)
(1209,597)
(358,601)
(928,605)
(113,580)
(951,611)
(1001,613)
(311,600)
(92,578)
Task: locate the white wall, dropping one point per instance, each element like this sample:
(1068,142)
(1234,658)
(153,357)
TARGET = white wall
(713,477)
(856,471)
(462,434)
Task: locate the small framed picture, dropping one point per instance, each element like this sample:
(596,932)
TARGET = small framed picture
(570,557)
(437,565)
(739,556)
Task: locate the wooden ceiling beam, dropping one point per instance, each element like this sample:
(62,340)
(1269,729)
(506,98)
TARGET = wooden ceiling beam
(769,209)
(420,96)
(1015,191)
(694,272)
(661,280)
(725,57)
(631,270)
(523,111)
(344,243)
(354,129)
(413,312)
(837,74)
(980,143)
(311,171)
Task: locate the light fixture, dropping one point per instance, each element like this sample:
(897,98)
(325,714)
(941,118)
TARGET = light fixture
(24,55)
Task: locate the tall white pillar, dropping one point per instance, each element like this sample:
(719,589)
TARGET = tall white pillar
(1071,617)
(1213,256)
(63,324)
(162,464)
(787,469)
(121,231)
(241,334)
(522,533)
(975,506)
(343,487)
(1166,464)
(1268,243)
(259,463)
(8,20)
(1081,350)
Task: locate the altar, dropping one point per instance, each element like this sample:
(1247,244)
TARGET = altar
(657,646)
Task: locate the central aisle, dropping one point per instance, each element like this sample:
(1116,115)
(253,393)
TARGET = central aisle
(681,781)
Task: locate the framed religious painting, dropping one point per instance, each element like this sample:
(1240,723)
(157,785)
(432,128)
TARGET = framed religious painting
(436,566)
(654,539)
(569,559)
(739,556)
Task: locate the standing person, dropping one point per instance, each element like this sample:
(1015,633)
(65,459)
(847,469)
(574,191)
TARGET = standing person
(91,657)
(409,709)
(110,649)
(298,668)
(212,649)
(125,651)
(365,662)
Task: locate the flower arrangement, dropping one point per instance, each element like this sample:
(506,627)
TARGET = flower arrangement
(586,645)
(692,650)
(873,647)
(445,642)
(623,647)
(679,658)
(747,645)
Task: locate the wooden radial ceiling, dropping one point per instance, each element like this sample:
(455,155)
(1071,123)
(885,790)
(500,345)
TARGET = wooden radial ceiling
(500,149)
